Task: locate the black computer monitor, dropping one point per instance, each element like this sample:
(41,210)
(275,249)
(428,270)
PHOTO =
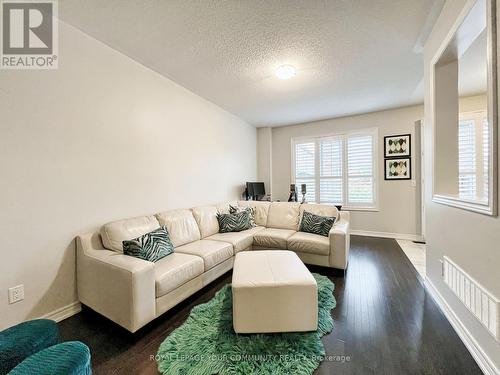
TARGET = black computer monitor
(255,190)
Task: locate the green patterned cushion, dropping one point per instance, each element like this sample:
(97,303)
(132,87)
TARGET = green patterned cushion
(316,224)
(235,209)
(234,222)
(151,246)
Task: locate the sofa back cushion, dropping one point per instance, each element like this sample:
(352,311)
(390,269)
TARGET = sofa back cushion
(261,210)
(283,215)
(206,218)
(320,210)
(181,226)
(114,233)
(223,208)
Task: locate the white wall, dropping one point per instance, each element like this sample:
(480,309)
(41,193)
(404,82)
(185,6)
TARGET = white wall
(399,210)
(265,157)
(99,139)
(471,240)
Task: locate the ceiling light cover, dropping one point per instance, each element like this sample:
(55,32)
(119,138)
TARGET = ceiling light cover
(286,72)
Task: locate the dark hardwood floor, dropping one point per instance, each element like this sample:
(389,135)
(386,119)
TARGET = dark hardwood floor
(385,323)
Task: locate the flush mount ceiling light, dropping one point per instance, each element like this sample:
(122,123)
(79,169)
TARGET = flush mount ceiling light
(285,72)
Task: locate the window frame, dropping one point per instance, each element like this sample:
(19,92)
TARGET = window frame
(374,133)
(438,90)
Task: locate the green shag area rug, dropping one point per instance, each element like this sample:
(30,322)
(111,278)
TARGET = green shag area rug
(207,344)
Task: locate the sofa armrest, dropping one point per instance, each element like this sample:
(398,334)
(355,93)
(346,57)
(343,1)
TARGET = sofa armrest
(340,241)
(118,286)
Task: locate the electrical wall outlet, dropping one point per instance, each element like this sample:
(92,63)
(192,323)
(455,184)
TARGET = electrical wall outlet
(16,294)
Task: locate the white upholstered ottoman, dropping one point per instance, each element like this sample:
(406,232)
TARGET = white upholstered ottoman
(273,291)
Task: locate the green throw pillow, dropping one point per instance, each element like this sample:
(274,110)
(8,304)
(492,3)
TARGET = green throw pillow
(151,246)
(235,209)
(234,222)
(316,224)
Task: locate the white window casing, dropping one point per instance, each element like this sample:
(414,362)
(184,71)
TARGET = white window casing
(338,169)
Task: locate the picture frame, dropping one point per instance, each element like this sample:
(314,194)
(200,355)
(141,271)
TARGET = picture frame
(397,146)
(397,169)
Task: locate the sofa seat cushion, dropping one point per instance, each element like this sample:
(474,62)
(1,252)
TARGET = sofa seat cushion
(212,252)
(309,243)
(240,240)
(175,270)
(273,238)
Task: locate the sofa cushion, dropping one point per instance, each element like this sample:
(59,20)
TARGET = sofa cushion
(212,252)
(175,270)
(113,234)
(234,222)
(261,210)
(151,246)
(273,238)
(309,243)
(283,215)
(240,240)
(251,210)
(181,226)
(206,218)
(223,208)
(316,224)
(320,209)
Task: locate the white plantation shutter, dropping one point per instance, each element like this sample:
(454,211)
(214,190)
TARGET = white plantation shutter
(467,159)
(360,157)
(486,158)
(330,174)
(305,168)
(338,169)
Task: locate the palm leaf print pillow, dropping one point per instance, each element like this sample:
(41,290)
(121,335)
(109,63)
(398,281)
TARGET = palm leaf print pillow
(151,246)
(316,224)
(235,209)
(234,222)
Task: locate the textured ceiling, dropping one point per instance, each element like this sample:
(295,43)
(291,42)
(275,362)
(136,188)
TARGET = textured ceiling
(352,56)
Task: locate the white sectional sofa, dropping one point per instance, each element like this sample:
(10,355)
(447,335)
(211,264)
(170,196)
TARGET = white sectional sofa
(132,292)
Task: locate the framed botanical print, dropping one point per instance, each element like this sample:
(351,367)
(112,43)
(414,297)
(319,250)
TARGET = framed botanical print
(396,146)
(397,169)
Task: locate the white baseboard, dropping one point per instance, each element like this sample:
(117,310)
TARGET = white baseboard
(399,236)
(64,312)
(482,359)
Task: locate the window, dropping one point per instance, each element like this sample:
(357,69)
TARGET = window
(467,159)
(473,156)
(486,157)
(330,174)
(305,167)
(337,169)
